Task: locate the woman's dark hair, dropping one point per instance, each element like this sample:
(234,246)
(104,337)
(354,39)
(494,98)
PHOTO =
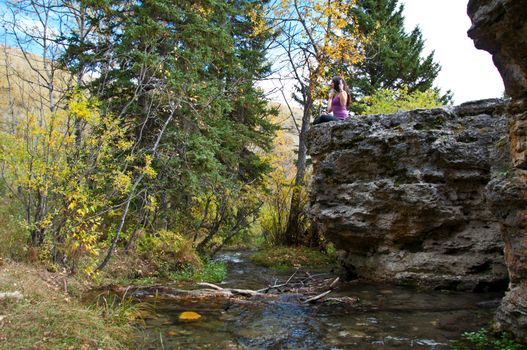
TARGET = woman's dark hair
(335,82)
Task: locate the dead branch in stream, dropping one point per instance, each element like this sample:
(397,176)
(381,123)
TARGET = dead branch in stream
(292,287)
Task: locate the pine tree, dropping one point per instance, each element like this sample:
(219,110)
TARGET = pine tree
(393,57)
(180,76)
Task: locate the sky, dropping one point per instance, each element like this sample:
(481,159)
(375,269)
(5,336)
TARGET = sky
(467,71)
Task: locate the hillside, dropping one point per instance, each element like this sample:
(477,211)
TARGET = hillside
(24,82)
(286,122)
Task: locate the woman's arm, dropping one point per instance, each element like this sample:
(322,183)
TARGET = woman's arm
(343,98)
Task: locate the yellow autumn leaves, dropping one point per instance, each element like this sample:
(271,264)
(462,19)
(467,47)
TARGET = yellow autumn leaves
(63,182)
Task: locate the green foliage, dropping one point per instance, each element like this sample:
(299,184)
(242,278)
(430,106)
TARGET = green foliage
(248,238)
(387,101)
(120,311)
(289,257)
(64,188)
(392,57)
(179,121)
(197,64)
(484,339)
(12,234)
(275,212)
(311,45)
(159,258)
(168,251)
(212,272)
(273,217)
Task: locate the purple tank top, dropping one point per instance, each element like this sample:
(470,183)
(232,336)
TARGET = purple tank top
(339,111)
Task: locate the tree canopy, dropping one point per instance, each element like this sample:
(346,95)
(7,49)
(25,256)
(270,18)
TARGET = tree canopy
(178,81)
(393,58)
(142,120)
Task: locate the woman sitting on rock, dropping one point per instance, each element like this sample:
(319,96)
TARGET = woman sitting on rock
(338,102)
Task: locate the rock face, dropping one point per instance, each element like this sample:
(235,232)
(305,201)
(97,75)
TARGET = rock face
(404,195)
(500,27)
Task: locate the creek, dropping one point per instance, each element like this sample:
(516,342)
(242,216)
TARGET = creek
(384,317)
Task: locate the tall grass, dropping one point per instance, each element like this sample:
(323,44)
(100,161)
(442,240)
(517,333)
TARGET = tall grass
(289,257)
(212,271)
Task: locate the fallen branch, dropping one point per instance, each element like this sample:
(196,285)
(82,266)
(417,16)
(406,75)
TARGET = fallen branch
(276,286)
(316,297)
(213,291)
(320,296)
(210,285)
(342,300)
(164,292)
(246,292)
(334,283)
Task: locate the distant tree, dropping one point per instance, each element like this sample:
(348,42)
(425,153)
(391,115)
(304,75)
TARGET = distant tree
(386,101)
(393,57)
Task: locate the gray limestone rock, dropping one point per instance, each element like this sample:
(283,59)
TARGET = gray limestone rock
(404,195)
(500,27)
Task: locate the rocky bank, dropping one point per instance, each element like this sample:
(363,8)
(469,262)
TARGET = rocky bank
(500,27)
(404,195)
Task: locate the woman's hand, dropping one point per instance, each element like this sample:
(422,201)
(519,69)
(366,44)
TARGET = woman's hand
(330,101)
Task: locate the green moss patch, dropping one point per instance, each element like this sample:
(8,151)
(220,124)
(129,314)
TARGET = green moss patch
(292,257)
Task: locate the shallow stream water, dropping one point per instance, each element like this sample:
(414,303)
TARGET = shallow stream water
(385,317)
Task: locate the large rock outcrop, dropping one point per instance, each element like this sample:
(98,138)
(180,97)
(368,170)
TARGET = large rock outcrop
(404,195)
(500,27)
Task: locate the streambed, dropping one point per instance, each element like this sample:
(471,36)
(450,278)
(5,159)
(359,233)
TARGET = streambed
(384,317)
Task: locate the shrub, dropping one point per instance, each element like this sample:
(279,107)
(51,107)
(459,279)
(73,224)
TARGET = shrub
(169,251)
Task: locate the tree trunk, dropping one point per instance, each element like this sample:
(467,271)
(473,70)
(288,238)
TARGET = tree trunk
(38,232)
(129,199)
(293,236)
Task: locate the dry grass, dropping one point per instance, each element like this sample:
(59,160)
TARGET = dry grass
(23,81)
(48,317)
(126,269)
